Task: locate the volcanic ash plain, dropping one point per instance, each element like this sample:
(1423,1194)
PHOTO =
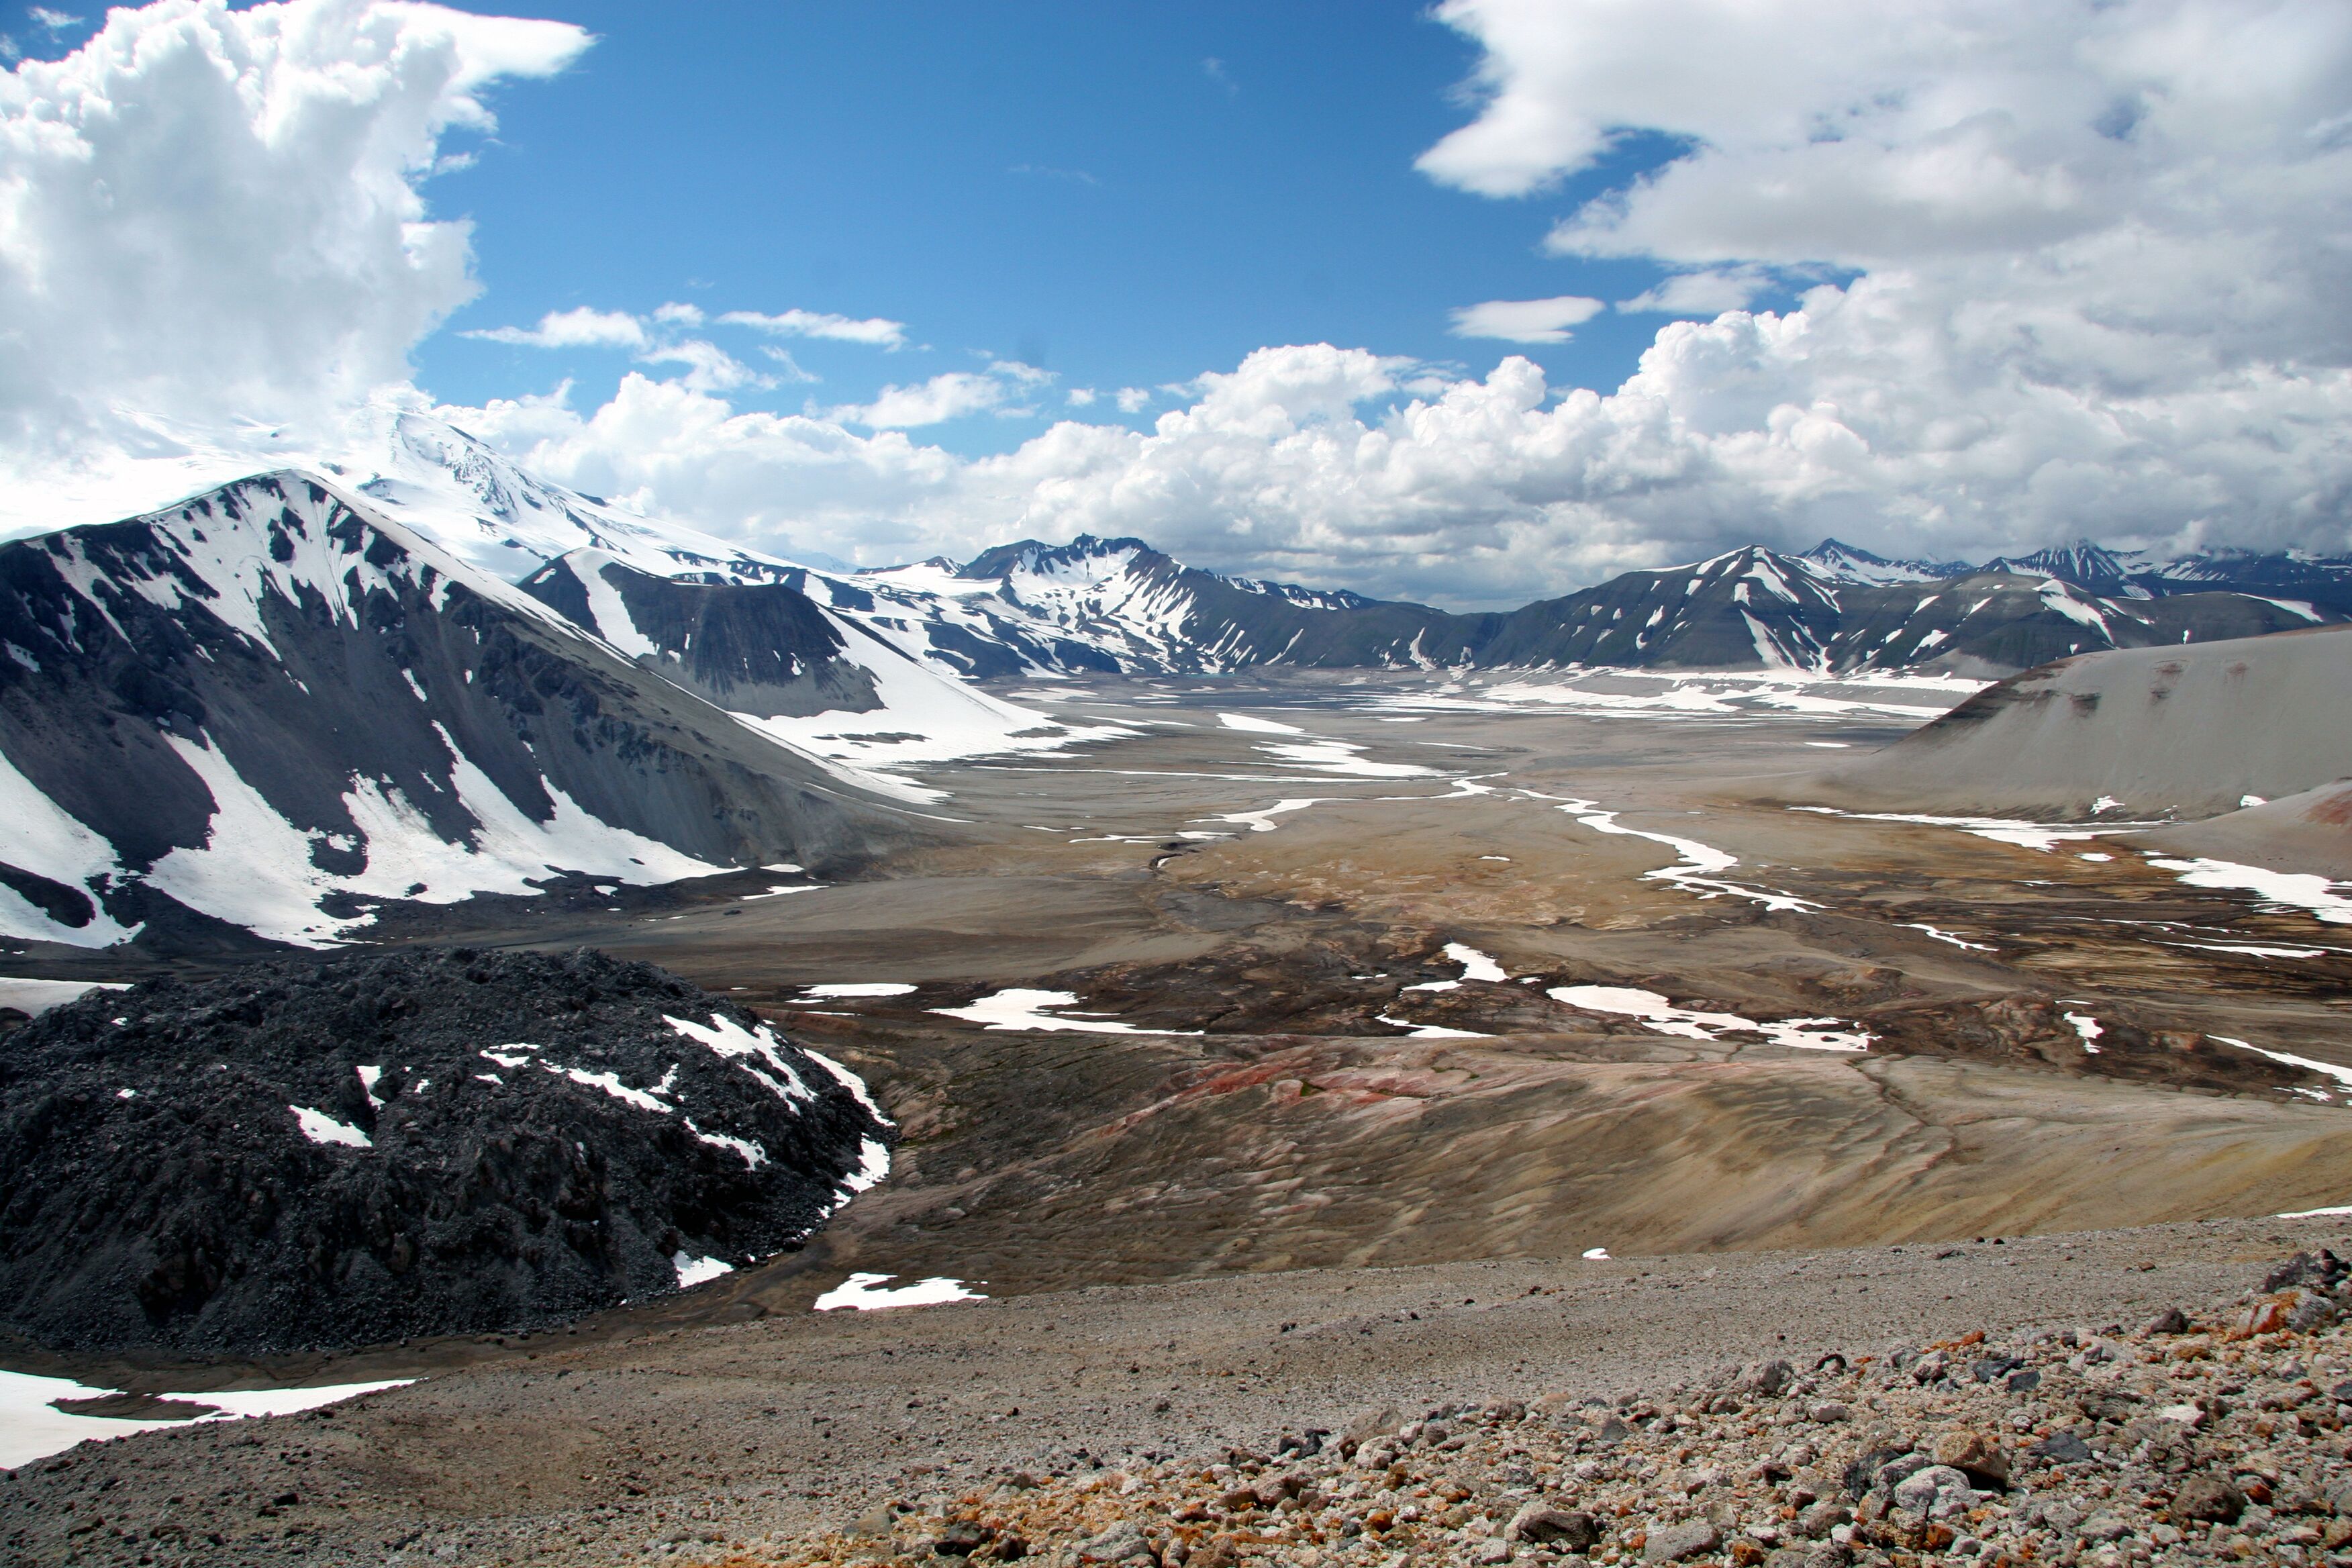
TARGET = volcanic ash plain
(1302,1053)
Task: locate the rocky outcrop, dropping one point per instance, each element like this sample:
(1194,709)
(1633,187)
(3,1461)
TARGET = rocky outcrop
(2206,1437)
(306,1155)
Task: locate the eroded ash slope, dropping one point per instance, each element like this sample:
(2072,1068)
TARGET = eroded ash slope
(307,1155)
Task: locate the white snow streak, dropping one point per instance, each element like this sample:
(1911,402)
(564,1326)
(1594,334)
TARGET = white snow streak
(1656,1012)
(1021,1008)
(320,1128)
(864,1292)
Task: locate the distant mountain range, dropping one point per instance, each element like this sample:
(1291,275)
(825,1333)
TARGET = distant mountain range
(270,707)
(1121,605)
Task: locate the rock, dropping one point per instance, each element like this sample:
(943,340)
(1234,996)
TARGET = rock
(2264,1317)
(1977,1456)
(1219,1552)
(2206,1500)
(1897,1471)
(1769,1379)
(1673,1542)
(1612,1430)
(404,1195)
(1492,1550)
(2313,1312)
(1380,1422)
(2171,1321)
(2024,1379)
(1993,1368)
(2101,1527)
(1122,1542)
(960,1539)
(2301,1270)
(1815,1521)
(2063,1448)
(1828,1411)
(1545,1525)
(1862,1474)
(1008,1547)
(1935,1491)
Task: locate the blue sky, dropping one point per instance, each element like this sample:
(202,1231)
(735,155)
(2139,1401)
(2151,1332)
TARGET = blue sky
(1075,186)
(1123,195)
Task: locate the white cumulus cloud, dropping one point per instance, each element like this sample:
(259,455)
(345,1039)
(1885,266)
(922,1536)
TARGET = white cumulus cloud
(1525,321)
(2094,248)
(1709,291)
(819,325)
(210,209)
(577,328)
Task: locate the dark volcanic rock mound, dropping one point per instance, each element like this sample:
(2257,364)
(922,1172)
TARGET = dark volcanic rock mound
(307,1155)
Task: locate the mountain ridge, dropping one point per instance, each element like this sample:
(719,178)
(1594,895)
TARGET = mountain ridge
(266,710)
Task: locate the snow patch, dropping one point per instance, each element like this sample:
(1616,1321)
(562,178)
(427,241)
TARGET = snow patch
(1023,1009)
(865,1292)
(320,1128)
(756,1051)
(1693,872)
(1656,1012)
(1475,965)
(1256,726)
(32,1427)
(693,1270)
(2342,1075)
(2290,889)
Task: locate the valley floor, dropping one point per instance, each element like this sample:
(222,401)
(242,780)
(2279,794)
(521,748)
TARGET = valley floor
(1327,1001)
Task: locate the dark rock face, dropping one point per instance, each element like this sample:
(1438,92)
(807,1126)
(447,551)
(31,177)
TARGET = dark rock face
(763,649)
(307,1155)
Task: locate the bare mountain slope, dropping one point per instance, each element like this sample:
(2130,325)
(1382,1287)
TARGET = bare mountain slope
(2136,733)
(270,707)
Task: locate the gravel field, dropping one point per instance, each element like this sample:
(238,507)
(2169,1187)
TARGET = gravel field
(769,1439)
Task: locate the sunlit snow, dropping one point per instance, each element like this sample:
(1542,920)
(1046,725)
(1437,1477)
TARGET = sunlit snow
(693,1270)
(865,1293)
(320,1128)
(32,1427)
(2320,896)
(1656,1012)
(1020,1009)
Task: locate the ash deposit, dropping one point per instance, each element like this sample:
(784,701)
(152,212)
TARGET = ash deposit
(307,1155)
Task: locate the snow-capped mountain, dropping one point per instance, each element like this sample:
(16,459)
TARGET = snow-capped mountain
(1834,561)
(270,707)
(786,658)
(1121,605)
